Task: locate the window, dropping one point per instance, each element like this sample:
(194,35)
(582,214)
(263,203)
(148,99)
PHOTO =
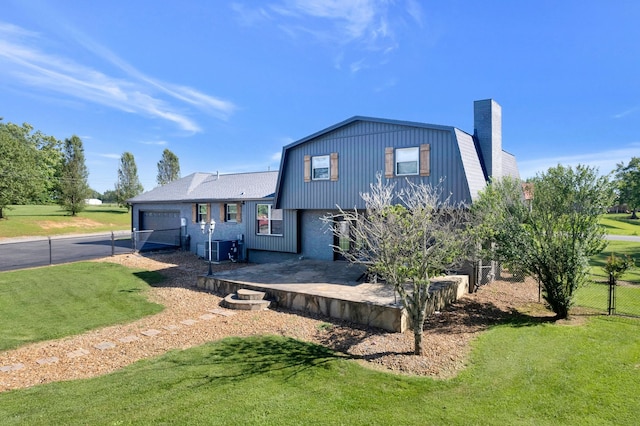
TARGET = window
(407,161)
(269,221)
(231,213)
(201,213)
(320,167)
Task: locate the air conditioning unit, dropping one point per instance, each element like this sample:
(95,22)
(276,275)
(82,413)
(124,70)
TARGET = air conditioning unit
(220,250)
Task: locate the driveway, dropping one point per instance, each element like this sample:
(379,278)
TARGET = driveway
(19,253)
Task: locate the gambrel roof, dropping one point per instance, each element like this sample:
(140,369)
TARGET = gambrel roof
(470,162)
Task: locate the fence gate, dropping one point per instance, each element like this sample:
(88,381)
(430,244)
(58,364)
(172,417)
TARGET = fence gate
(619,298)
(485,272)
(157,239)
(624,299)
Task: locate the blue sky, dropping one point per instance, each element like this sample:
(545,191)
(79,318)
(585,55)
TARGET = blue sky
(225,85)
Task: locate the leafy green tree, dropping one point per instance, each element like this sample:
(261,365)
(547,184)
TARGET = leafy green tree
(73,186)
(21,174)
(128,184)
(555,238)
(407,238)
(168,167)
(628,184)
(497,216)
(94,194)
(110,196)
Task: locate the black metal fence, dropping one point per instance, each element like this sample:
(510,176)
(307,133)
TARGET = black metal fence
(620,298)
(19,254)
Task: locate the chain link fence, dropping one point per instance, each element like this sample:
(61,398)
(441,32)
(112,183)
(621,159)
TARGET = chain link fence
(621,298)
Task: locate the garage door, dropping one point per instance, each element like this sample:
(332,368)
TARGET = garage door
(159,220)
(159,228)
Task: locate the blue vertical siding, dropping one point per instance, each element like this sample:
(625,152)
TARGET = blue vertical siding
(361,156)
(287,242)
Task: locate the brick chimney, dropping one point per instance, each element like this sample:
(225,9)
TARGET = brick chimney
(487,125)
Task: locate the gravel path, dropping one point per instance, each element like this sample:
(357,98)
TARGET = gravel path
(192,317)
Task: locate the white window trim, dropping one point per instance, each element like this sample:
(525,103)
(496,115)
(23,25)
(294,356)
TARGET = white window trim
(269,220)
(324,159)
(201,216)
(412,152)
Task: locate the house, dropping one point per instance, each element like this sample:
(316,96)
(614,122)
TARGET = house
(172,214)
(277,215)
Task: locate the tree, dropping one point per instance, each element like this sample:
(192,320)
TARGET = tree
(554,240)
(73,185)
(168,168)
(406,238)
(128,184)
(628,185)
(20,175)
(496,218)
(110,196)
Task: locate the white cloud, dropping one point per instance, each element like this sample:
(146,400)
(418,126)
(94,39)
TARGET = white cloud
(415,11)
(248,16)
(605,161)
(351,20)
(276,156)
(111,156)
(626,112)
(160,143)
(22,60)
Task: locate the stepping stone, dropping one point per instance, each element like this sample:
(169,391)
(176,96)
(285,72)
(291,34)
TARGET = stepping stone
(105,345)
(245,294)
(207,317)
(151,332)
(50,360)
(128,339)
(232,301)
(78,353)
(188,322)
(223,312)
(12,367)
(171,327)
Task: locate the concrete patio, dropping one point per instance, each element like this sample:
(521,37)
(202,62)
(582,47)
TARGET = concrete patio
(332,289)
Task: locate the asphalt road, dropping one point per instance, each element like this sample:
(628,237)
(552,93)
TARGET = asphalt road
(27,253)
(633,238)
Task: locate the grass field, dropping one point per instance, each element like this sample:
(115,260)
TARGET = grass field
(596,295)
(519,374)
(52,302)
(619,248)
(48,220)
(620,224)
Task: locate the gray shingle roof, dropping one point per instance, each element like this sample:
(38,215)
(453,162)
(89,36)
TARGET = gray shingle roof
(211,187)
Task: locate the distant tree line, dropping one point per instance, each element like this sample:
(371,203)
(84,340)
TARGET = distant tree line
(40,169)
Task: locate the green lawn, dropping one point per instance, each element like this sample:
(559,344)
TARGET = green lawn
(620,224)
(519,374)
(619,248)
(596,294)
(47,220)
(57,301)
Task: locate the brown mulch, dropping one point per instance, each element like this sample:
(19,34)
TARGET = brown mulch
(446,338)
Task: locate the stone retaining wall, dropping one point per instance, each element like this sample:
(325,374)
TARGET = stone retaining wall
(391,317)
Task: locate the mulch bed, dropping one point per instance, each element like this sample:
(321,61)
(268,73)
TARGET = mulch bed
(193,317)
